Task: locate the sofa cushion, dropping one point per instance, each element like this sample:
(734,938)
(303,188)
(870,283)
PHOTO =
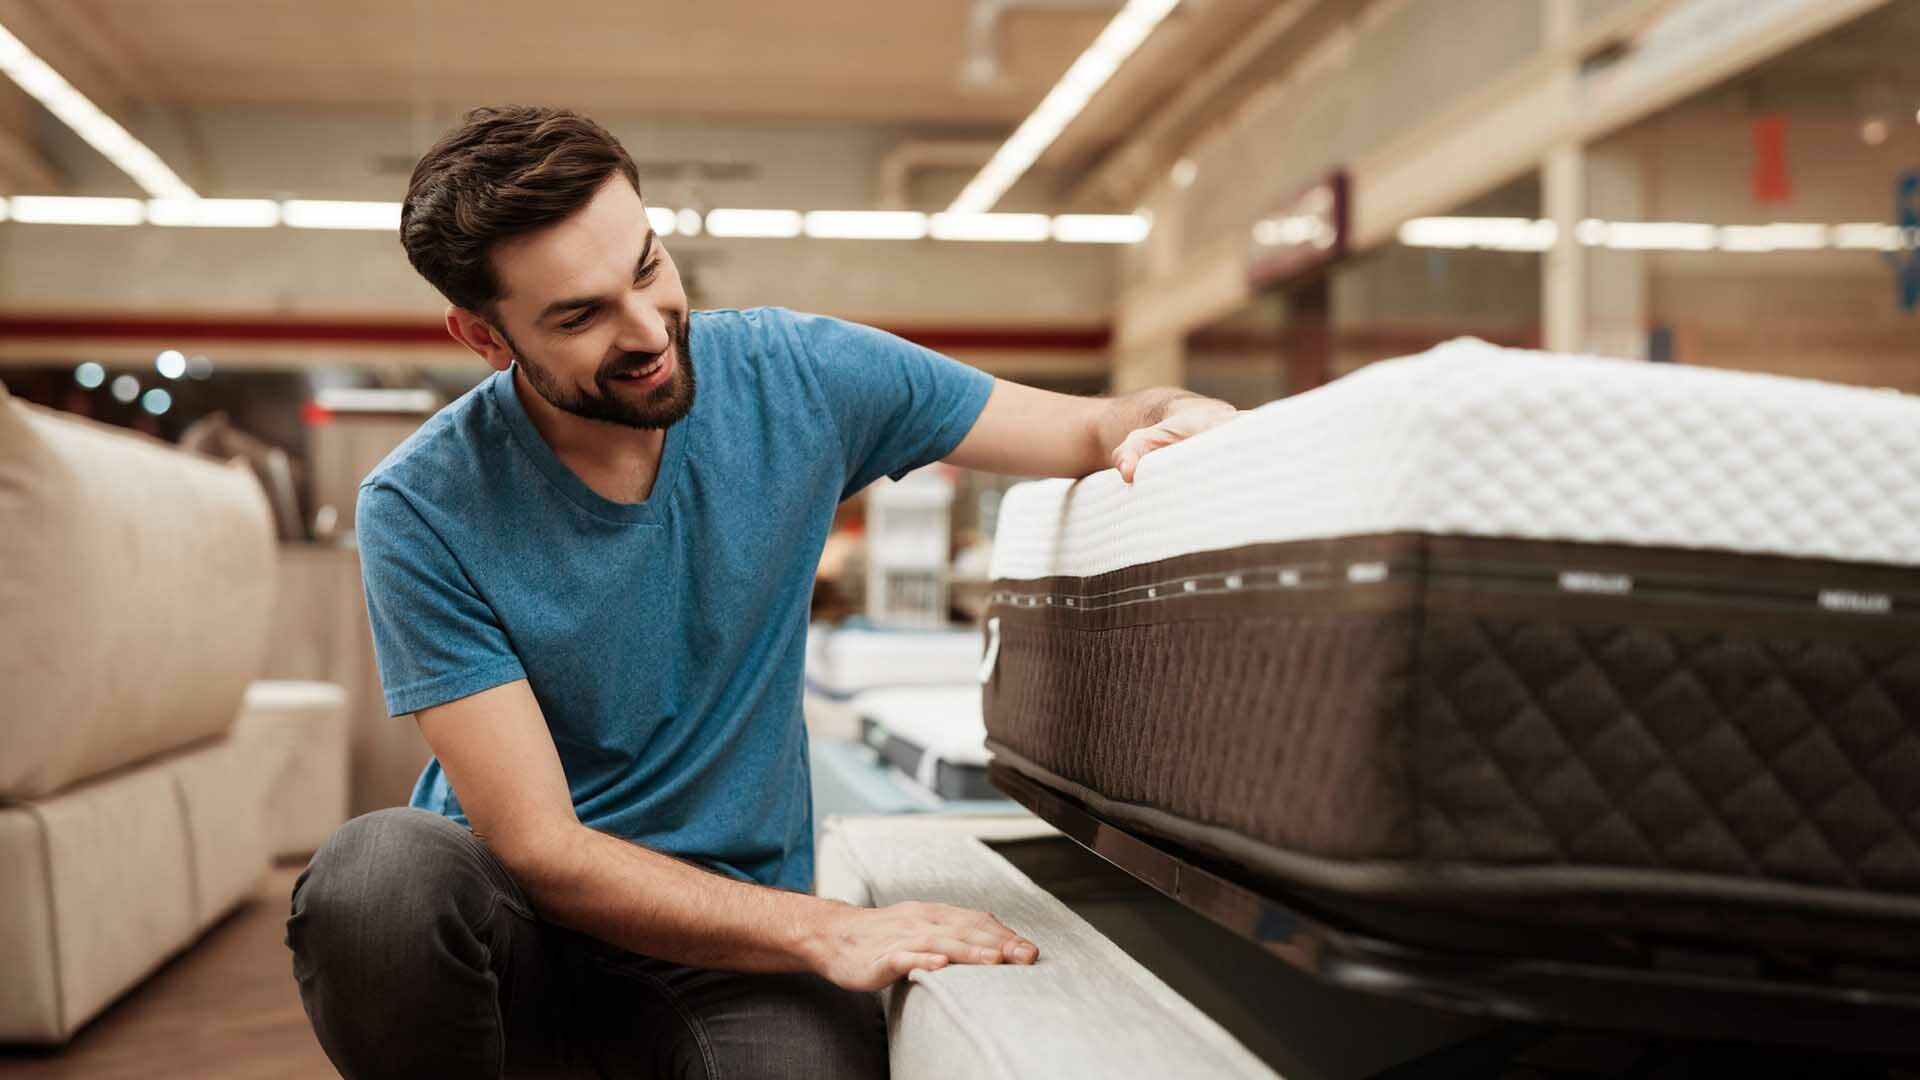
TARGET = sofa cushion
(137,583)
(301,729)
(105,881)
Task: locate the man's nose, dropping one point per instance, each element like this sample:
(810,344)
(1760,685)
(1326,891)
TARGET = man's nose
(643,329)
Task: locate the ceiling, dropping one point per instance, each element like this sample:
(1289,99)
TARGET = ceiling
(895,60)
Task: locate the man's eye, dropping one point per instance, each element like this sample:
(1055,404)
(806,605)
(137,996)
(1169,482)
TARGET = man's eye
(647,271)
(579,320)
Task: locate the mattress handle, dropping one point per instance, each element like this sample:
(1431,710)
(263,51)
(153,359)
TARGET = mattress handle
(992,656)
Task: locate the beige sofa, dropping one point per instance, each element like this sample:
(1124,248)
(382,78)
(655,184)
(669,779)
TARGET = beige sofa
(136,590)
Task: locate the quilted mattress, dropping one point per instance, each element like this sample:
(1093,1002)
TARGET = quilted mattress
(1485,637)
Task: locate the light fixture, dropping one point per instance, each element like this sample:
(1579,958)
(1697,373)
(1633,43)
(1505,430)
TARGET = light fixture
(170,363)
(157,401)
(1088,74)
(1779,236)
(199,368)
(1101,228)
(1000,227)
(126,388)
(754,224)
(661,219)
(1488,233)
(1661,236)
(1867,236)
(90,375)
(99,130)
(77,210)
(340,214)
(214,213)
(1873,132)
(866,224)
(1184,173)
(689,222)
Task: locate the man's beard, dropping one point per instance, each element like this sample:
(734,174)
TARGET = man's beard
(664,406)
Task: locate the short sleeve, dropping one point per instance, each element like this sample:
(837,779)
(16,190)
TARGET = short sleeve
(435,638)
(897,406)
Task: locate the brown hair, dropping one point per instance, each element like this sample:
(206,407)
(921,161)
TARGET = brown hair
(503,172)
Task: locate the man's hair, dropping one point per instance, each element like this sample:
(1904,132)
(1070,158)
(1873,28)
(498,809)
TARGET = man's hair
(503,172)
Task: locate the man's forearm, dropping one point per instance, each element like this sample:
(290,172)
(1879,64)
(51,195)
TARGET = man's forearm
(658,906)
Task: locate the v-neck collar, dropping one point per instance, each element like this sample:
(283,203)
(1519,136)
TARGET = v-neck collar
(576,490)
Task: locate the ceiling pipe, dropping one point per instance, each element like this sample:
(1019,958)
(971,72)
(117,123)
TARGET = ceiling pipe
(981,68)
(901,162)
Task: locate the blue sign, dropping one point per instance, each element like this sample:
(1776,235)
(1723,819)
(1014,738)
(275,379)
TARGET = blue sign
(1906,264)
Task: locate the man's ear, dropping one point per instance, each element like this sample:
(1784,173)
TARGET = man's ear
(478,334)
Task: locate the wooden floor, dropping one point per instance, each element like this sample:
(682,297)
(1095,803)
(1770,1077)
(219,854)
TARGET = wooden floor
(227,1009)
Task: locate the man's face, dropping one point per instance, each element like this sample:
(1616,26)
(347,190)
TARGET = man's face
(594,312)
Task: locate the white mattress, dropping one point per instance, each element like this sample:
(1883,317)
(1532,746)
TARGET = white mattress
(1474,439)
(944,721)
(843,662)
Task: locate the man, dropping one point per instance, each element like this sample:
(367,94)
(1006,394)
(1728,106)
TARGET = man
(588,580)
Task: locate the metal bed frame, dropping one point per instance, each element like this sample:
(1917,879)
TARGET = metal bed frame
(1784,1008)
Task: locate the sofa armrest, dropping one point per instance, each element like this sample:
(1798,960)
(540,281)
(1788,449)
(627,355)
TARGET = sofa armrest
(300,731)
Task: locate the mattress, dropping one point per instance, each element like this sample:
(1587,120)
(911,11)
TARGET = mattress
(934,734)
(1503,636)
(845,661)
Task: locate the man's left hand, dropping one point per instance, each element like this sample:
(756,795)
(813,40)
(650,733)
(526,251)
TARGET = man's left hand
(1185,418)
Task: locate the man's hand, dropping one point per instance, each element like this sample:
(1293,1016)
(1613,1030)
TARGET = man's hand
(869,948)
(1183,418)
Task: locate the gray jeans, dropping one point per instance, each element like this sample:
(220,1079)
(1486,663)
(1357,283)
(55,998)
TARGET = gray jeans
(418,956)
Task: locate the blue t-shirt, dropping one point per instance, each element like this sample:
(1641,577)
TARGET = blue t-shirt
(664,640)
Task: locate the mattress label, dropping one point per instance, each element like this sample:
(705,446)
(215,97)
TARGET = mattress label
(1856,603)
(1588,581)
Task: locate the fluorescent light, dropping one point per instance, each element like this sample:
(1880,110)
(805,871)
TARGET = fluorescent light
(1101,228)
(689,222)
(756,224)
(1003,227)
(214,213)
(77,210)
(1489,233)
(157,401)
(1868,236)
(1660,236)
(1184,173)
(1775,237)
(90,375)
(336,214)
(170,363)
(661,219)
(1088,74)
(126,388)
(100,131)
(866,224)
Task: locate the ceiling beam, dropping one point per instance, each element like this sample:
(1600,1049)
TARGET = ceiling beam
(24,169)
(1130,168)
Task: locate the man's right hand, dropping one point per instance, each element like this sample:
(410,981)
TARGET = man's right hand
(869,948)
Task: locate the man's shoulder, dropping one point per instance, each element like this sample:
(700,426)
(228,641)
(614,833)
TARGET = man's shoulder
(763,329)
(453,445)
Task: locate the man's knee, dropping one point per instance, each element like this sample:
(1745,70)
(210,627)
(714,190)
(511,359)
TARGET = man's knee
(401,868)
(800,1025)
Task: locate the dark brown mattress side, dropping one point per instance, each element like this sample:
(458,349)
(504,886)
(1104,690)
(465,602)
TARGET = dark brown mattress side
(1450,705)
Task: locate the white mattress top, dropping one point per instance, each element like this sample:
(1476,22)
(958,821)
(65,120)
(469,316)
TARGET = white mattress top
(1469,438)
(848,660)
(945,721)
